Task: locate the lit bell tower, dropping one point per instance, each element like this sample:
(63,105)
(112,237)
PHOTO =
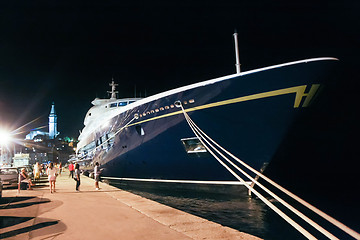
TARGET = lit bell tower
(53,123)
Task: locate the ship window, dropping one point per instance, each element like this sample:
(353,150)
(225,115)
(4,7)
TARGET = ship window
(131,102)
(113,105)
(161,109)
(194,147)
(172,106)
(152,111)
(166,107)
(191,101)
(157,110)
(122,104)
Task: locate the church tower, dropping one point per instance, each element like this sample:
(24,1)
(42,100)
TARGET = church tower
(53,123)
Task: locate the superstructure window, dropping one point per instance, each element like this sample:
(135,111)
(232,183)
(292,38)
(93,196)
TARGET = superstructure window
(122,104)
(113,105)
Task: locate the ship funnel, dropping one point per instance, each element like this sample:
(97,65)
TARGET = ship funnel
(237,65)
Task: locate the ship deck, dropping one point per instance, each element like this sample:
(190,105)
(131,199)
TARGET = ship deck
(109,213)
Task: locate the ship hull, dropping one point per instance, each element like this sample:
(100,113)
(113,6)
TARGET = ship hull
(248,115)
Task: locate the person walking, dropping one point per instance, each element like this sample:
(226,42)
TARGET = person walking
(97,175)
(52,174)
(77,177)
(71,169)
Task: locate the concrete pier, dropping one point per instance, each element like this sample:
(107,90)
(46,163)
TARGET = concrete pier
(109,213)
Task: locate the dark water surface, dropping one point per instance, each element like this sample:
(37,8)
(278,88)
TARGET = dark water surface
(230,206)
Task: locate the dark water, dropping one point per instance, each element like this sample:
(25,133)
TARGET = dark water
(232,207)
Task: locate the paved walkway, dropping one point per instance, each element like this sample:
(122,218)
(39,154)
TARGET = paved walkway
(110,213)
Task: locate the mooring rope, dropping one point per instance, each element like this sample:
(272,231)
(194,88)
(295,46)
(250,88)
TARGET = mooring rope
(287,192)
(294,210)
(200,134)
(267,202)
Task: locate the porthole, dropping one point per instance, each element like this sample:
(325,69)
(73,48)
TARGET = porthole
(157,110)
(191,101)
(166,107)
(161,109)
(172,106)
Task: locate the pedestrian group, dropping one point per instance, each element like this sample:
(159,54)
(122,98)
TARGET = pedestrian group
(53,171)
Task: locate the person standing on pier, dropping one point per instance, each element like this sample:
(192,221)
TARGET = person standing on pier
(60,168)
(97,175)
(37,170)
(71,169)
(77,176)
(52,173)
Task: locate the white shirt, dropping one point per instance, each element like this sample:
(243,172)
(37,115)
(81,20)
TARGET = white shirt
(52,172)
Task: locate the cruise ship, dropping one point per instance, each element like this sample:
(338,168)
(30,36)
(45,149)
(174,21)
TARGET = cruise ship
(247,113)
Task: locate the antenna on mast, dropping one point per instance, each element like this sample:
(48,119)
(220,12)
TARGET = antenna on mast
(237,65)
(113,92)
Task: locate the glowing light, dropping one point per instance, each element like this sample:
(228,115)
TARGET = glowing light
(4,137)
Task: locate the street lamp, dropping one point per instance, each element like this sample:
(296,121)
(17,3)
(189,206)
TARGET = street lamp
(4,137)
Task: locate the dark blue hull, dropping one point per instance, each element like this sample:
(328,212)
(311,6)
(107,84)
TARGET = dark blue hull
(248,115)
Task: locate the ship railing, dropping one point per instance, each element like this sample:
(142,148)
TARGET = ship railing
(214,149)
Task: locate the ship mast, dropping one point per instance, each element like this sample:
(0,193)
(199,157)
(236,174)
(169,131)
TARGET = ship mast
(113,92)
(237,65)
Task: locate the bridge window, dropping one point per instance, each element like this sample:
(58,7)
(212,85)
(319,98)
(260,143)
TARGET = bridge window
(122,104)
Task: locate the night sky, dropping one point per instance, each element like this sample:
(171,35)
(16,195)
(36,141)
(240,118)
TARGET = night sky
(68,51)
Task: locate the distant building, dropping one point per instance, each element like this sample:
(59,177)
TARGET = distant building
(21,159)
(53,133)
(5,156)
(39,136)
(43,147)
